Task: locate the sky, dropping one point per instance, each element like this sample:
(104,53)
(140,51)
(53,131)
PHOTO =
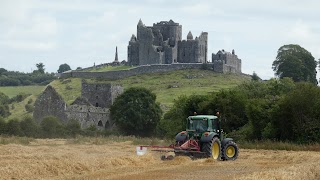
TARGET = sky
(81,32)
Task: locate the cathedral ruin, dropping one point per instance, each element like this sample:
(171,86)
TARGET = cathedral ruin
(162,44)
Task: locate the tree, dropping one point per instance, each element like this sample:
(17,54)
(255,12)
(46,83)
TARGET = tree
(255,77)
(63,67)
(136,112)
(29,127)
(295,62)
(299,114)
(51,127)
(40,67)
(13,127)
(2,70)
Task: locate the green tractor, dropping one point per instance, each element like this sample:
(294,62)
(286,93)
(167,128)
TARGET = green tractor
(203,138)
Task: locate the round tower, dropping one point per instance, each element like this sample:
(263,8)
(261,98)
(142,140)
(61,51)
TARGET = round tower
(189,36)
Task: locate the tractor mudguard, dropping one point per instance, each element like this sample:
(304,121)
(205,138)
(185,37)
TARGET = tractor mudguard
(181,137)
(224,141)
(205,139)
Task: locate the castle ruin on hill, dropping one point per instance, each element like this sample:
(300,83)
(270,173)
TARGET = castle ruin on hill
(160,48)
(162,44)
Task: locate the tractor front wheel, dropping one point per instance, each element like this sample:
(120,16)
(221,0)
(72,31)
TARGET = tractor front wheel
(230,151)
(212,148)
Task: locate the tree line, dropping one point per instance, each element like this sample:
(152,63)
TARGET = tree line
(36,77)
(50,127)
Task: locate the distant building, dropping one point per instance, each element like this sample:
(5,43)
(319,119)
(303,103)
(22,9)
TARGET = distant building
(225,62)
(162,44)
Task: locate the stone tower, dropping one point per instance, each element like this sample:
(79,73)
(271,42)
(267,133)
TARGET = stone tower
(193,50)
(225,61)
(116,56)
(100,95)
(155,44)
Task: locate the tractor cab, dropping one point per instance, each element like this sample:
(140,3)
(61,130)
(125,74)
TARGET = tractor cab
(203,123)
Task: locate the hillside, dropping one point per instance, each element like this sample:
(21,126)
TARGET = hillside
(167,86)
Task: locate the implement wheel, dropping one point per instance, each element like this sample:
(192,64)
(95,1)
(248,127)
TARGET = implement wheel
(212,148)
(230,151)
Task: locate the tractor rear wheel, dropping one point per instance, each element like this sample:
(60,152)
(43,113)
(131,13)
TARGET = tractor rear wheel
(212,148)
(230,151)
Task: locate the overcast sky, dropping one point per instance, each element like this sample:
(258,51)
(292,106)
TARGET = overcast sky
(82,32)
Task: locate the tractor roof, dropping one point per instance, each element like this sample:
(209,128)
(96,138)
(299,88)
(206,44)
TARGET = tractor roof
(200,117)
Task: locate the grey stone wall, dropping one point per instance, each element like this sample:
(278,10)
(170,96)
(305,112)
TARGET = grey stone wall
(159,44)
(100,95)
(113,75)
(226,62)
(89,115)
(82,110)
(49,103)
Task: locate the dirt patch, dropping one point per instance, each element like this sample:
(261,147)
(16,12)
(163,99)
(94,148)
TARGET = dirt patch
(56,159)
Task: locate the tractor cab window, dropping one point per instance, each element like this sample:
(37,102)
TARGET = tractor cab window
(198,125)
(215,124)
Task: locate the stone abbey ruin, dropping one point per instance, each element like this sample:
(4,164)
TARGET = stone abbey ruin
(157,48)
(92,108)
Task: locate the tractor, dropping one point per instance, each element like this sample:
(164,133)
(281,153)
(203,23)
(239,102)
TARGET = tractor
(203,138)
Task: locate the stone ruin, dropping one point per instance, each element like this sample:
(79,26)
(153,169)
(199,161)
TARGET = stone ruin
(162,44)
(226,62)
(92,108)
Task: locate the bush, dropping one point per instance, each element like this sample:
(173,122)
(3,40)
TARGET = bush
(20,97)
(13,128)
(29,127)
(29,108)
(3,126)
(136,112)
(73,128)
(51,127)
(30,101)
(4,110)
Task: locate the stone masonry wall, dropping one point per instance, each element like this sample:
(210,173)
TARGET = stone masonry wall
(49,103)
(89,115)
(113,75)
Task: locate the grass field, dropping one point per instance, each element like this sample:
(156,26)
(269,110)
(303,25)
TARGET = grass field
(116,159)
(167,86)
(108,68)
(17,109)
(12,91)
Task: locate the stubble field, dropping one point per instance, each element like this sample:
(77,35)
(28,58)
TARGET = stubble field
(58,159)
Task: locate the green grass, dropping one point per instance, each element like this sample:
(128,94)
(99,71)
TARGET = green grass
(169,86)
(69,89)
(276,145)
(12,91)
(100,140)
(18,110)
(108,68)
(15,140)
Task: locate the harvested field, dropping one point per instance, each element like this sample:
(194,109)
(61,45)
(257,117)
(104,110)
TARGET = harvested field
(58,159)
